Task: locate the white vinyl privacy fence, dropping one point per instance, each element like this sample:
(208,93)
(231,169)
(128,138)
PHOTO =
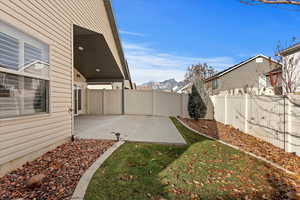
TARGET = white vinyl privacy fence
(104,102)
(136,102)
(271,118)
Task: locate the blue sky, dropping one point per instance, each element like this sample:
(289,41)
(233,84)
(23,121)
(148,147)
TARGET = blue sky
(161,38)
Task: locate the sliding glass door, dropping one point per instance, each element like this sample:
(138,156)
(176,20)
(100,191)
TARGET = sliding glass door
(77,100)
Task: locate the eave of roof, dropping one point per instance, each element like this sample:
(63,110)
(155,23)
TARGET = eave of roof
(292,49)
(237,66)
(274,71)
(112,19)
(185,87)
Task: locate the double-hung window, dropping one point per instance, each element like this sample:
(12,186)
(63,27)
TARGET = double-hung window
(24,73)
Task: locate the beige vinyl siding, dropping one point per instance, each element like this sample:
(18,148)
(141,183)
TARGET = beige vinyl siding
(50,21)
(246,75)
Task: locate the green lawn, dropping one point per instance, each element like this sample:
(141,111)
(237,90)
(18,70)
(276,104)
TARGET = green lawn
(203,169)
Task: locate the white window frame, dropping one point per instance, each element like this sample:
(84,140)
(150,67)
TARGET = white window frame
(215,84)
(15,31)
(23,38)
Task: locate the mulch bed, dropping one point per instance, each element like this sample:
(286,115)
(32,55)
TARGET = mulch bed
(246,142)
(61,170)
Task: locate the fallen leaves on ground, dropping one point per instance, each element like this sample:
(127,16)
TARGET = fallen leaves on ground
(246,142)
(57,172)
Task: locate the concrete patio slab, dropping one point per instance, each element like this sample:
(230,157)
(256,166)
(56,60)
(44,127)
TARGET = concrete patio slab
(132,128)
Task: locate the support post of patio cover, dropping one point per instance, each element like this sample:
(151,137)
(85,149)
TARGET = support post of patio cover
(123,97)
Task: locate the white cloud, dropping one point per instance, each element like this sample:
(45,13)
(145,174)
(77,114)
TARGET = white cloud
(141,75)
(135,47)
(148,64)
(132,33)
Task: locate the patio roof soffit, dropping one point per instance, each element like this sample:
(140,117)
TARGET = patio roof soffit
(93,57)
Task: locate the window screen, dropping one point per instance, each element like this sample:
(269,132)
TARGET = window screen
(9,51)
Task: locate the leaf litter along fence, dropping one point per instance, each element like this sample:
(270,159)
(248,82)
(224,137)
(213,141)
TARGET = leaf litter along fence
(275,119)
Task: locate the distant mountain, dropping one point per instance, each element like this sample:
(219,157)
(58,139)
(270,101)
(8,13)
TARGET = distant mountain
(167,85)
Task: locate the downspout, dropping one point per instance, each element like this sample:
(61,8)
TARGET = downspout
(71,110)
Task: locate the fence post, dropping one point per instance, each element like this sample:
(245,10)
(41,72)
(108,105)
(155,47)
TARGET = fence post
(246,112)
(103,102)
(289,126)
(213,101)
(123,97)
(88,101)
(153,102)
(226,109)
(181,105)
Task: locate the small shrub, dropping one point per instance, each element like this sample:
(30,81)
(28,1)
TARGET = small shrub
(196,107)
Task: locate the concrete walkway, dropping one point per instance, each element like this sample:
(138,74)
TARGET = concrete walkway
(132,128)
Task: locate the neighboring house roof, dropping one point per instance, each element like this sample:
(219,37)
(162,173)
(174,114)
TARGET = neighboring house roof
(187,86)
(292,49)
(237,66)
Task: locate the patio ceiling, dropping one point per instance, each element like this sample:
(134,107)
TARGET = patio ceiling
(93,57)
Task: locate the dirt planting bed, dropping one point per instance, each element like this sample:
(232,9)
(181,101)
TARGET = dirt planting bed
(54,175)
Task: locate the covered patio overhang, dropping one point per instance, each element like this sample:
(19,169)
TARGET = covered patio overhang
(94,59)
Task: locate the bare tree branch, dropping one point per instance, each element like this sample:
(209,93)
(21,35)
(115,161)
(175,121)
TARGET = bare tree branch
(199,71)
(258,2)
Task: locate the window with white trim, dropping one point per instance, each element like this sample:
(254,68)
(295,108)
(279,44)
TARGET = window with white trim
(9,51)
(24,74)
(215,84)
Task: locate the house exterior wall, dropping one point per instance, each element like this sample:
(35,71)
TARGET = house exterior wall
(127,84)
(246,75)
(208,87)
(119,85)
(50,21)
(276,77)
(295,55)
